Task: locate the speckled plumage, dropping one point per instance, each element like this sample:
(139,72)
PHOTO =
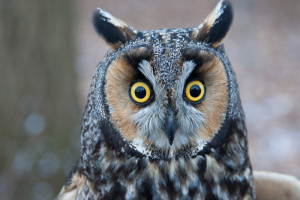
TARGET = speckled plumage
(151,166)
(120,160)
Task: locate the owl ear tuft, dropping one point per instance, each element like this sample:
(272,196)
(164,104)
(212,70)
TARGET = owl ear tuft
(114,31)
(215,27)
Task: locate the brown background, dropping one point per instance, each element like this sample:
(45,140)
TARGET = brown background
(58,62)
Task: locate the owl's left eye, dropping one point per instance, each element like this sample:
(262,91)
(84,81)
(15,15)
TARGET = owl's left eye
(140,92)
(195,91)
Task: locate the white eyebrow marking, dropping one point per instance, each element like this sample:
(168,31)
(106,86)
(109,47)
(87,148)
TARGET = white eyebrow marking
(188,68)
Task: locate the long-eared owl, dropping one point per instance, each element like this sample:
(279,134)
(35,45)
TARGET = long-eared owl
(164,118)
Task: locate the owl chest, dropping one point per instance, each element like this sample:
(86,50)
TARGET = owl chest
(192,180)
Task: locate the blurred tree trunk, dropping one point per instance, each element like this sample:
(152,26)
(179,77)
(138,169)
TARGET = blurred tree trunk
(38,97)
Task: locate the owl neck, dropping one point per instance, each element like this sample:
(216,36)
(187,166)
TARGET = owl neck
(222,170)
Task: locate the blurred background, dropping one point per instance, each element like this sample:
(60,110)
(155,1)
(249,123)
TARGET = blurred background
(49,52)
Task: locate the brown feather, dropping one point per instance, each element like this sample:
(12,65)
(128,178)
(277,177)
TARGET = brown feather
(214,106)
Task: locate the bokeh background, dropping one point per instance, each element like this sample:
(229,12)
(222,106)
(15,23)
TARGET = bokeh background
(49,51)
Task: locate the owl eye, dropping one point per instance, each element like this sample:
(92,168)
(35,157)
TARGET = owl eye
(195,91)
(140,92)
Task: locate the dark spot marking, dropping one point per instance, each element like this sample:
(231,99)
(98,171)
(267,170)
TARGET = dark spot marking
(116,192)
(244,187)
(190,54)
(192,192)
(195,91)
(230,185)
(140,92)
(209,193)
(135,55)
(145,190)
(170,188)
(202,166)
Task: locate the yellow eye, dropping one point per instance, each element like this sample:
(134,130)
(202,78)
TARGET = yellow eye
(195,91)
(140,92)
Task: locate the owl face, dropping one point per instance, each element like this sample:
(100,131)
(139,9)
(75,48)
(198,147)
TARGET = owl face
(166,91)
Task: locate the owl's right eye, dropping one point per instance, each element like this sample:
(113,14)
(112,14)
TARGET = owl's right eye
(140,93)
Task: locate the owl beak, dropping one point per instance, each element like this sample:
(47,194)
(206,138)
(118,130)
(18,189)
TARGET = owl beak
(170,124)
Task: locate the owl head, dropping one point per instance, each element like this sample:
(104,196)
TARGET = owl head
(164,93)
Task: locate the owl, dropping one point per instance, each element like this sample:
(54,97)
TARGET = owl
(164,119)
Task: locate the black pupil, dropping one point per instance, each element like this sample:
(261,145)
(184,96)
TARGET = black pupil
(140,92)
(195,90)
